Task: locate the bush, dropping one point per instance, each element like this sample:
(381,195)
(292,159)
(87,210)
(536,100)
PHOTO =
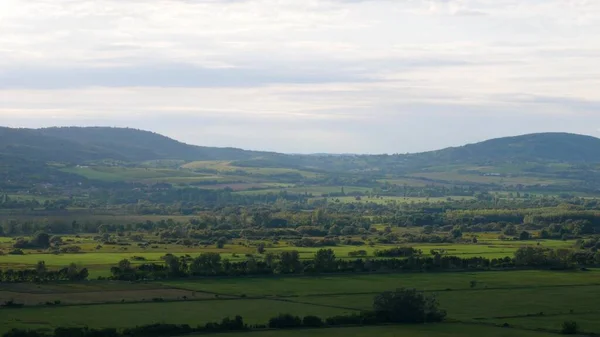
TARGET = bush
(158,330)
(312,321)
(357,253)
(285,321)
(23,333)
(407,306)
(364,318)
(570,328)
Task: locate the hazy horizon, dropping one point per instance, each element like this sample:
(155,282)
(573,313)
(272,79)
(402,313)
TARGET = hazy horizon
(318,76)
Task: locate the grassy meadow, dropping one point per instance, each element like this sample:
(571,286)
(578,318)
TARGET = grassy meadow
(430,330)
(526,300)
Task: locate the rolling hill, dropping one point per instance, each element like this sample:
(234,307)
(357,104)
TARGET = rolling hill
(76,145)
(539,147)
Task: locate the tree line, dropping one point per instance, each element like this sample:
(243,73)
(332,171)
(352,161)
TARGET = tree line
(325,261)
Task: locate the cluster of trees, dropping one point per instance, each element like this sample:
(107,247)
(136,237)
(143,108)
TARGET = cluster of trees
(554,258)
(398,252)
(41,274)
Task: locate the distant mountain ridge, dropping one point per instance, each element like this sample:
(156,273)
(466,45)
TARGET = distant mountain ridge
(81,144)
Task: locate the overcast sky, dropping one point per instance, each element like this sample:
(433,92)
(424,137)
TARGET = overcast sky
(359,76)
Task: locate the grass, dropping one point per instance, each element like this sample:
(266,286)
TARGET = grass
(430,330)
(110,173)
(488,304)
(352,284)
(128,315)
(496,296)
(226,166)
(587,322)
(115,296)
(452,176)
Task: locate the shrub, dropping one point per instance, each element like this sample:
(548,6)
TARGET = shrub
(407,306)
(17,251)
(285,321)
(569,328)
(312,321)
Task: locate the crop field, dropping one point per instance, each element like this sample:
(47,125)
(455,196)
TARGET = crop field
(107,173)
(226,166)
(526,300)
(588,322)
(451,176)
(180,312)
(372,284)
(499,303)
(104,296)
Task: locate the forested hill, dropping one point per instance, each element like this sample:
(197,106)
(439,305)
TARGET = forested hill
(538,147)
(79,144)
(76,145)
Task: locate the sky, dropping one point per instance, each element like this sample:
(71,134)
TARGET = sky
(304,76)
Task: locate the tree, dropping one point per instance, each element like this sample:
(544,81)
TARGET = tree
(206,264)
(570,328)
(40,268)
(407,306)
(41,239)
(335,230)
(312,321)
(510,230)
(56,240)
(524,235)
(285,321)
(260,248)
(289,262)
(124,265)
(456,232)
(324,260)
(173,265)
(221,242)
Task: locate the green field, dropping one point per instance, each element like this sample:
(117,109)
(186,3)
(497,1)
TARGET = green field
(226,166)
(518,298)
(588,322)
(109,173)
(353,284)
(456,177)
(129,315)
(430,330)
(490,304)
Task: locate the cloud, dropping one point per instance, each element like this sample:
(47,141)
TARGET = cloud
(360,71)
